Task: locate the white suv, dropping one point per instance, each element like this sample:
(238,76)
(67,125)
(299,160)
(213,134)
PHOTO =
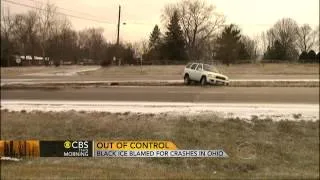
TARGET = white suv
(204,74)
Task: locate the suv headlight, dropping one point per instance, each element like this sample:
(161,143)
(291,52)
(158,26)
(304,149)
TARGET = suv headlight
(211,75)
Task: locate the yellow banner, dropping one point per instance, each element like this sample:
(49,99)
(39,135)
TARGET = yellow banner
(134,145)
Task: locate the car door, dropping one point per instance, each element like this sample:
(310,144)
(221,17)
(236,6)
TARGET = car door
(198,72)
(192,75)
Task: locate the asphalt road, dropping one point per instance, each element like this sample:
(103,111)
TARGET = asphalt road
(173,94)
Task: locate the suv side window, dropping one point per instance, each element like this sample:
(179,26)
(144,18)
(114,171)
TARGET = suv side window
(194,66)
(199,68)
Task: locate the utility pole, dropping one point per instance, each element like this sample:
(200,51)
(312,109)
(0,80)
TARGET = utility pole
(118,34)
(119,17)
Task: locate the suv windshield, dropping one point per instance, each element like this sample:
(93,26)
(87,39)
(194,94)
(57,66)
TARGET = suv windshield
(207,67)
(188,65)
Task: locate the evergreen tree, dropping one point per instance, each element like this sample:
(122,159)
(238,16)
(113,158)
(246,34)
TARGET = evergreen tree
(312,56)
(303,56)
(154,53)
(276,52)
(243,52)
(155,38)
(229,45)
(174,42)
(279,51)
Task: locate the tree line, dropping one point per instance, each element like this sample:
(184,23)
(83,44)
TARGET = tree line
(286,41)
(46,33)
(193,31)
(203,35)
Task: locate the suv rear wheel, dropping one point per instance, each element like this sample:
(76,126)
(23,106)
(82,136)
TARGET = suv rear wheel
(186,79)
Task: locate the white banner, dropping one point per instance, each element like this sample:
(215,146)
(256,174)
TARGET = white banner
(162,153)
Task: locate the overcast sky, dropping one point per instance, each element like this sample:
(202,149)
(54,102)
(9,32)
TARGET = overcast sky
(252,16)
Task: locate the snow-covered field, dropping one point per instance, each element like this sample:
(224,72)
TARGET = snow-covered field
(308,112)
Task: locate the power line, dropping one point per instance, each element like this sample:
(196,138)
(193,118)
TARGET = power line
(67,9)
(69,15)
(74,16)
(100,21)
(139,23)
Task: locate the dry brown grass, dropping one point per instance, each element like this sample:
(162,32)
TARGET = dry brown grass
(282,149)
(239,71)
(17,71)
(175,71)
(232,69)
(272,69)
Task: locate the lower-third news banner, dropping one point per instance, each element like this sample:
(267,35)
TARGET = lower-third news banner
(84,148)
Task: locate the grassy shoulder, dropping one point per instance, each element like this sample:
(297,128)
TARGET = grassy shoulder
(236,71)
(165,72)
(257,148)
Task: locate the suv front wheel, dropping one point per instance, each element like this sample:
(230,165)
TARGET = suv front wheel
(203,81)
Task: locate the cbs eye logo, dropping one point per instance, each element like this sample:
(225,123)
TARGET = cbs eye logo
(76,144)
(67,144)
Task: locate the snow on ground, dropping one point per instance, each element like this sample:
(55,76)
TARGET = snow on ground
(9,159)
(308,112)
(64,72)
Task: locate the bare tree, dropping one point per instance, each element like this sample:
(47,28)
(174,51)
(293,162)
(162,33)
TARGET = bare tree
(262,43)
(96,42)
(199,21)
(31,26)
(250,46)
(140,48)
(167,13)
(306,38)
(7,25)
(316,34)
(270,37)
(46,20)
(20,32)
(91,42)
(285,32)
(60,28)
